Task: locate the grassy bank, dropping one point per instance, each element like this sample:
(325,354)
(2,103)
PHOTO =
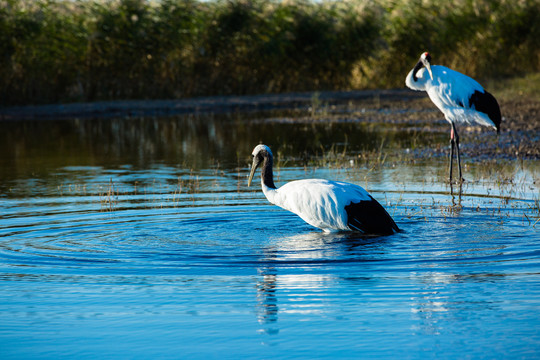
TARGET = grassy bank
(63,51)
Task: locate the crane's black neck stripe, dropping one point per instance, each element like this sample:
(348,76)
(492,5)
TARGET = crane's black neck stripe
(486,103)
(417,68)
(267,173)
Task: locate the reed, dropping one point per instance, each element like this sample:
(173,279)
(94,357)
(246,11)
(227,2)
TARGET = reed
(108,196)
(87,50)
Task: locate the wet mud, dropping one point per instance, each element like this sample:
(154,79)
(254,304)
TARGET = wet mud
(519,136)
(403,109)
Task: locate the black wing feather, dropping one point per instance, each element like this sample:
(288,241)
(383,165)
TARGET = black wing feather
(486,103)
(370,218)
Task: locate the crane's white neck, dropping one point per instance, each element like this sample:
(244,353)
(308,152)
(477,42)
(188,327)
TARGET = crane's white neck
(269,192)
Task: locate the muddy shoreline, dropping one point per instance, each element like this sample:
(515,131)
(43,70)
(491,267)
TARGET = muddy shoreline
(519,137)
(213,104)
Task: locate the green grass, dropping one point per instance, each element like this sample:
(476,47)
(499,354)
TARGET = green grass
(527,85)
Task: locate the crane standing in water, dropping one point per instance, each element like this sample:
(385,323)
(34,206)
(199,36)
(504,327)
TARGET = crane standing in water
(460,98)
(328,205)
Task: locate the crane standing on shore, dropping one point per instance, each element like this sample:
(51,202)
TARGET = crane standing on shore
(460,98)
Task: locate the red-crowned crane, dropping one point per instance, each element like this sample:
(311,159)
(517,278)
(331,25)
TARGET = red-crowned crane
(328,205)
(460,98)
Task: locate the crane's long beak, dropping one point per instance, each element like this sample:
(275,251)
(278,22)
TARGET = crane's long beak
(254,167)
(428,67)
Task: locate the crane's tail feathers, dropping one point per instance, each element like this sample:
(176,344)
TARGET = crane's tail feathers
(486,103)
(355,227)
(370,217)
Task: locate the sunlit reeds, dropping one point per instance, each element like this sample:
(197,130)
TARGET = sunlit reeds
(117,49)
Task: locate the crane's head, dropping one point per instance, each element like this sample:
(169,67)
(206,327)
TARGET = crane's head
(425,59)
(260,153)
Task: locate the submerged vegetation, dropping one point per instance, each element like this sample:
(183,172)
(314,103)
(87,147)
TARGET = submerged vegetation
(509,192)
(87,50)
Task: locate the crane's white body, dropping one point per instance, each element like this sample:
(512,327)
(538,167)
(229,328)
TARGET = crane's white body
(460,98)
(451,92)
(320,203)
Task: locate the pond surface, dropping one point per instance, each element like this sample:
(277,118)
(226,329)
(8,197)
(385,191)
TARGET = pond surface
(139,238)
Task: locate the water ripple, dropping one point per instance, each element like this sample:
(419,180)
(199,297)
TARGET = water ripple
(217,256)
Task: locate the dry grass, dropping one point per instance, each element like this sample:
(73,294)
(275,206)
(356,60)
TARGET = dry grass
(65,51)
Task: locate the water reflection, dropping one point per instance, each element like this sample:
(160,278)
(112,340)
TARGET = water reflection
(296,273)
(318,247)
(267,302)
(460,191)
(444,298)
(315,275)
(186,236)
(34,148)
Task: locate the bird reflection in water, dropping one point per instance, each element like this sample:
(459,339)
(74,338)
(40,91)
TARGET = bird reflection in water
(456,204)
(267,303)
(306,293)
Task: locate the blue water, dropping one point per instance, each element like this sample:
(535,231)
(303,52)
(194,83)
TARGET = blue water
(122,254)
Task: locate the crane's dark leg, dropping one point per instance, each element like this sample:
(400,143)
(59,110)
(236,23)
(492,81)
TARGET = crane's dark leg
(457,151)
